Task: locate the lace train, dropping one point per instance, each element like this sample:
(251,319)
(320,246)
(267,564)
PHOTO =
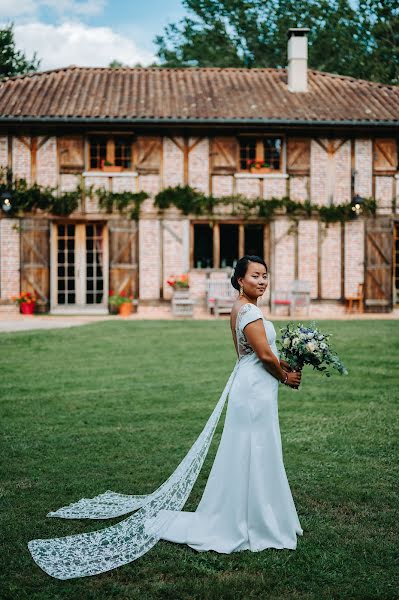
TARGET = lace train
(98,551)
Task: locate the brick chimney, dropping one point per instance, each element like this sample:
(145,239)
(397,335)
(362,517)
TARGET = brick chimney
(298,59)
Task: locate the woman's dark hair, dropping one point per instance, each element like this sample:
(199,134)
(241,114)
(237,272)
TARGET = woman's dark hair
(242,266)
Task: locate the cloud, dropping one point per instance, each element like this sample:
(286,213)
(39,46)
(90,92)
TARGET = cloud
(78,44)
(18,9)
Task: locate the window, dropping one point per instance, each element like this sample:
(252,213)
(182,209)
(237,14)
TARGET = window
(223,244)
(253,239)
(98,151)
(263,154)
(228,245)
(116,151)
(203,246)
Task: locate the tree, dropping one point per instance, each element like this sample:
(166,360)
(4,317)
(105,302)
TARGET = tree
(13,61)
(359,39)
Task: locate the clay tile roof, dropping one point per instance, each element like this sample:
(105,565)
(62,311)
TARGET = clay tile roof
(194,94)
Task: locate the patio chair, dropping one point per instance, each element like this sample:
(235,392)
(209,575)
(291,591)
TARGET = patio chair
(350,300)
(281,298)
(220,295)
(300,296)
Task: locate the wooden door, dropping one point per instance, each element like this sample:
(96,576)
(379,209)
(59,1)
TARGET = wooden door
(123,240)
(378,265)
(35,251)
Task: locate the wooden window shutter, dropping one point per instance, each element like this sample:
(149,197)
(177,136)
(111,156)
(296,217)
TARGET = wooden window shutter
(35,260)
(224,155)
(148,154)
(71,154)
(385,156)
(123,256)
(298,156)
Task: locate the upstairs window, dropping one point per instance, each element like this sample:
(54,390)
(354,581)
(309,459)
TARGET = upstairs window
(115,152)
(261,154)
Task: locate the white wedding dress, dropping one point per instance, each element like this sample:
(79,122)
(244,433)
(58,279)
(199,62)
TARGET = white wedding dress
(246,504)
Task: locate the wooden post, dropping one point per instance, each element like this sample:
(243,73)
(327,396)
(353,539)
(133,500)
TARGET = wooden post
(186,150)
(296,249)
(191,265)
(241,242)
(319,234)
(216,246)
(33,159)
(9,151)
(343,261)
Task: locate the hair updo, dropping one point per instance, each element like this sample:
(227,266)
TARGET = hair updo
(242,266)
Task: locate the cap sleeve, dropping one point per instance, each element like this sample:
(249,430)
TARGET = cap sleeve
(248,313)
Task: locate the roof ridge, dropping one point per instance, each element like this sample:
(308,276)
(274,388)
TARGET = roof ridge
(198,69)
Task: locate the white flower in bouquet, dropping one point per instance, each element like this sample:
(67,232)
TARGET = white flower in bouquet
(310,346)
(286,342)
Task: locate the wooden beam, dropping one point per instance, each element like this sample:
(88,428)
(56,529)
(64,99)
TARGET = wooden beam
(296,242)
(319,234)
(266,244)
(176,143)
(33,158)
(353,164)
(216,246)
(185,161)
(241,241)
(197,141)
(343,261)
(191,243)
(9,151)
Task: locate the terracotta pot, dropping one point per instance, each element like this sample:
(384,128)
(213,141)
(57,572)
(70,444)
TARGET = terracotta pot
(112,169)
(27,308)
(125,309)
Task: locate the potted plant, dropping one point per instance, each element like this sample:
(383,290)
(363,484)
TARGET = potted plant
(108,167)
(180,285)
(258,166)
(26,301)
(122,302)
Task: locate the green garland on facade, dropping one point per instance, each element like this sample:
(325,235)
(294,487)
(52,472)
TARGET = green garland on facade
(126,203)
(30,198)
(191,201)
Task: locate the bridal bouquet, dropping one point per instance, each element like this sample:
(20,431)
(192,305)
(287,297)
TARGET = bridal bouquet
(302,345)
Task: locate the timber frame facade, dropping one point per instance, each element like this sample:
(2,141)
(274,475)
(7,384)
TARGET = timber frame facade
(72,263)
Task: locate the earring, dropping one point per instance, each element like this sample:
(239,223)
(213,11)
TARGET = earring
(241,290)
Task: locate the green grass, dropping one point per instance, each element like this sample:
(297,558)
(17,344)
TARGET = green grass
(117,405)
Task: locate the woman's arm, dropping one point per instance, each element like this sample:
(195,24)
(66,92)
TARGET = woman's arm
(286,366)
(256,336)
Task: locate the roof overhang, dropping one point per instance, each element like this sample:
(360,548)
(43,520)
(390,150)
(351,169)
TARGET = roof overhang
(27,120)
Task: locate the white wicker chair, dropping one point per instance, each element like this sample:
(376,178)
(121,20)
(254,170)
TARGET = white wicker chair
(220,295)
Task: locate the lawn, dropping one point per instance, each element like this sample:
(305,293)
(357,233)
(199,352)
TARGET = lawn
(117,405)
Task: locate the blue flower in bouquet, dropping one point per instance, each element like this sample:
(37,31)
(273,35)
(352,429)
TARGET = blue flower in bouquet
(302,345)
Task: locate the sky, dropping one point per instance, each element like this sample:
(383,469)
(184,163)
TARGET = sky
(89,32)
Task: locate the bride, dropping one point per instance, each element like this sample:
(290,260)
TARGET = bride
(247,502)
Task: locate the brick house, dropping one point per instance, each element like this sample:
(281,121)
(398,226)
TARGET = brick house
(324,137)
